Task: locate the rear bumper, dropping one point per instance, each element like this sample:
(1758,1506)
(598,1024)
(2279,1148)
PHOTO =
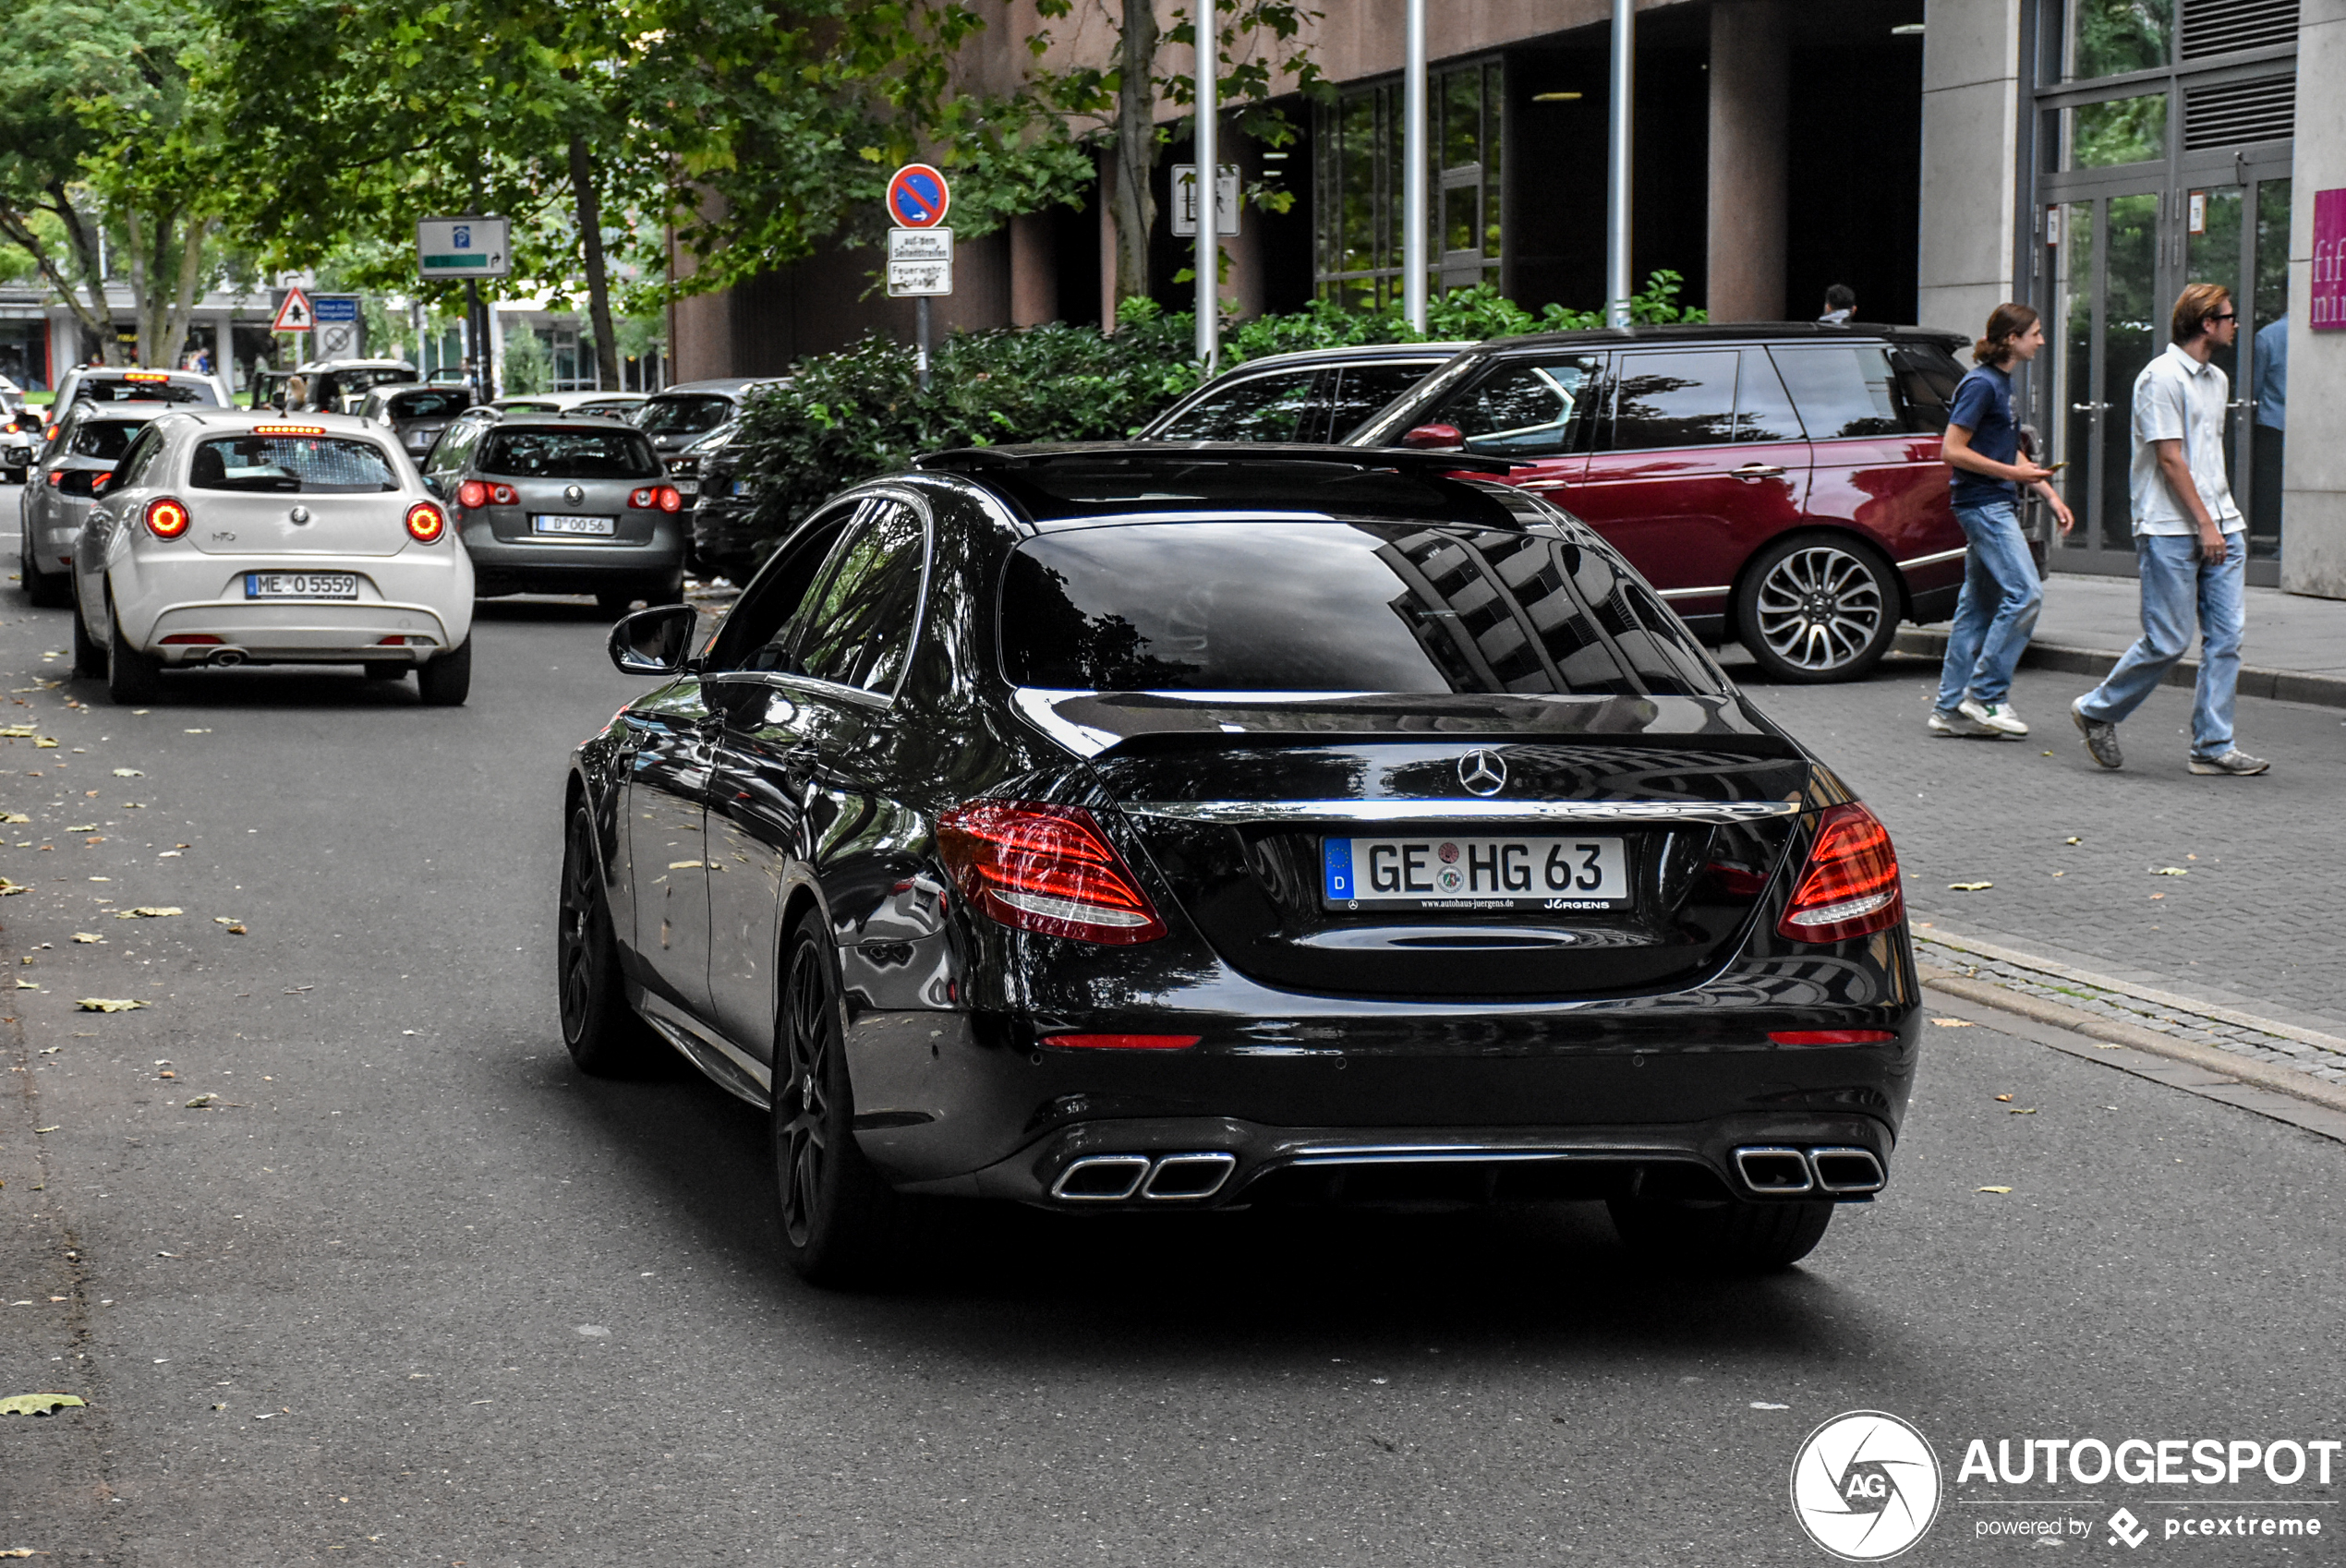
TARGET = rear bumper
(509,566)
(422,597)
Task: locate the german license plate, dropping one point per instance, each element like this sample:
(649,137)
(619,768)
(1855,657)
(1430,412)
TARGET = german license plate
(557,523)
(1527,872)
(688,487)
(741,486)
(301,584)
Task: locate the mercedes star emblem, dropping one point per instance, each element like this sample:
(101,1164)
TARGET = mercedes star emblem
(573,495)
(1484,773)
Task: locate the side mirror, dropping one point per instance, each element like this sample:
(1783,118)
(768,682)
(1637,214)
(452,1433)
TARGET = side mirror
(655,642)
(1435,437)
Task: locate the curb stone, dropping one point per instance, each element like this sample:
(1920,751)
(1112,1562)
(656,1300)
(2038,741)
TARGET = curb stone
(2255,680)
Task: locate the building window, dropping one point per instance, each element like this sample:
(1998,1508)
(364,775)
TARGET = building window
(1357,175)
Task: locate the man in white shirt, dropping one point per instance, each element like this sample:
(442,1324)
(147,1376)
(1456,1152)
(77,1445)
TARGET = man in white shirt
(2189,543)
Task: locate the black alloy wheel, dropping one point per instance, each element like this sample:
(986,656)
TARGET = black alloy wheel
(839,1220)
(1815,608)
(131,676)
(604,1033)
(1730,1236)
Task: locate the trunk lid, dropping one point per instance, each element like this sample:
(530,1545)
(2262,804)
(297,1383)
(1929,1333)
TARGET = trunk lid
(224,523)
(573,497)
(1670,816)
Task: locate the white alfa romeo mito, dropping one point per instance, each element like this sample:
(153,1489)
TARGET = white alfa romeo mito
(226,538)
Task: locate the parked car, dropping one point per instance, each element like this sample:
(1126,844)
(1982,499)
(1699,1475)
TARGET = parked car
(415,412)
(130,384)
(1320,394)
(605,405)
(50,510)
(681,414)
(562,504)
(340,386)
(1062,826)
(20,435)
(1780,485)
(718,504)
(231,538)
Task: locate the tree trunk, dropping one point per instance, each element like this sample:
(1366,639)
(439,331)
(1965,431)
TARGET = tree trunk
(1134,204)
(134,233)
(19,226)
(181,308)
(590,232)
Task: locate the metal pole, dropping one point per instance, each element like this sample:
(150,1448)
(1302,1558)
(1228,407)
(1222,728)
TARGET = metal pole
(476,335)
(1414,158)
(920,310)
(1617,287)
(1207,192)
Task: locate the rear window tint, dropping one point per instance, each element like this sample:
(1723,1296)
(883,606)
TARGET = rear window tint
(1337,607)
(291,465)
(1842,389)
(569,454)
(107,438)
(685,416)
(94,391)
(429,405)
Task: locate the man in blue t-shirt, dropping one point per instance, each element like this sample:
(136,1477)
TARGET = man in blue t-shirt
(1997,609)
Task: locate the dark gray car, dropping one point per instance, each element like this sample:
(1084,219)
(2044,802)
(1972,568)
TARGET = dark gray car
(415,414)
(1319,395)
(54,505)
(562,505)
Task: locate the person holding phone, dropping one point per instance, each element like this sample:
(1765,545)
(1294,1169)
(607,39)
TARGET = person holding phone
(1996,611)
(2189,548)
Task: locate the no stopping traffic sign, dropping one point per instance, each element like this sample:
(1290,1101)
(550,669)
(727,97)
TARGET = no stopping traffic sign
(917,197)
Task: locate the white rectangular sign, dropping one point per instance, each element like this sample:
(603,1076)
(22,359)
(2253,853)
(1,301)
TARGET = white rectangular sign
(1225,200)
(920,245)
(463,247)
(912,279)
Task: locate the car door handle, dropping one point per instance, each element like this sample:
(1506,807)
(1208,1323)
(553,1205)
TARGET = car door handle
(1544,484)
(1758,471)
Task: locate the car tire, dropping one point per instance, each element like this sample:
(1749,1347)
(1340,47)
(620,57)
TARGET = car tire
(615,602)
(131,676)
(1817,607)
(386,668)
(447,680)
(43,590)
(605,1036)
(840,1223)
(1729,1237)
(665,590)
(88,658)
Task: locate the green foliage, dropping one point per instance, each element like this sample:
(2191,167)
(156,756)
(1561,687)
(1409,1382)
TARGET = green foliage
(527,367)
(850,416)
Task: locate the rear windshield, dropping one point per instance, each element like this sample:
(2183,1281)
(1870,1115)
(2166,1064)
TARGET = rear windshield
(1276,605)
(103,438)
(684,415)
(429,405)
(312,466)
(92,390)
(570,454)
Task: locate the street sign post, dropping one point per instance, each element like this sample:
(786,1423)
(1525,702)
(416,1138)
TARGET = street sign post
(293,314)
(920,251)
(463,247)
(338,317)
(1225,200)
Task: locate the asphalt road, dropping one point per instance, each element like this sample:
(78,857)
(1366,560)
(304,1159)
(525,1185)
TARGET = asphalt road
(411,1291)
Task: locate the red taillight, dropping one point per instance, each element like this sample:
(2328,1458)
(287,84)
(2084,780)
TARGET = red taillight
(1122,1042)
(166,518)
(667,498)
(670,499)
(1850,886)
(425,522)
(1832,1036)
(472,494)
(1045,869)
(502,495)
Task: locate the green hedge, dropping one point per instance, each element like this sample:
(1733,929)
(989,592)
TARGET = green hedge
(849,416)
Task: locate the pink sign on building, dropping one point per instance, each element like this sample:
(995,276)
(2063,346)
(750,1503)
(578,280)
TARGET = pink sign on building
(2329,261)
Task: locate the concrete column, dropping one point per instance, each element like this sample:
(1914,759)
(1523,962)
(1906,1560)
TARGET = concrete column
(1970,158)
(1034,278)
(2313,519)
(1750,72)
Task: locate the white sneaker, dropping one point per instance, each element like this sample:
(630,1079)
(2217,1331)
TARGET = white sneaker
(1996,717)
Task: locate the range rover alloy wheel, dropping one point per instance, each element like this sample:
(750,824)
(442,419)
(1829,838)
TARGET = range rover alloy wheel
(1813,610)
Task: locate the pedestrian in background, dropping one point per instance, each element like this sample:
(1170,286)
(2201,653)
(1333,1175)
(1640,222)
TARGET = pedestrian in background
(1841,306)
(2188,547)
(1996,612)
(2268,436)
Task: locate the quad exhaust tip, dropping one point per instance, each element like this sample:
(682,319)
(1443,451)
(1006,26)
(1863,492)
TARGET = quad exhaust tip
(1785,1172)
(1113,1178)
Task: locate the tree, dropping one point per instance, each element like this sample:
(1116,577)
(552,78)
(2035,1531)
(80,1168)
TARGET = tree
(110,139)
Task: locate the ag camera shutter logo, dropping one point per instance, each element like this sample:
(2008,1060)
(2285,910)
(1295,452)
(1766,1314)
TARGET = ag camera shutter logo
(1865,1485)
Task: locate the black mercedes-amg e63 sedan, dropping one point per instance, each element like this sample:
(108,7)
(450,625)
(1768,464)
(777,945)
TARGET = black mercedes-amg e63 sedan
(1155,828)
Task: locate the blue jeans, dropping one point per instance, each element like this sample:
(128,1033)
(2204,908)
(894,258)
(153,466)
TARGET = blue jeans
(1995,614)
(2182,594)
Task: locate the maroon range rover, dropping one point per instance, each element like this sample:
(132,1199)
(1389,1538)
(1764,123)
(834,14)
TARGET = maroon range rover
(1780,484)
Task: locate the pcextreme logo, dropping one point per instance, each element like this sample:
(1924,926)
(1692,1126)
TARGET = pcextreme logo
(1864,1486)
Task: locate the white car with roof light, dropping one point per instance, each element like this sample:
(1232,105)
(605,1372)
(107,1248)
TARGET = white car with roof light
(226,538)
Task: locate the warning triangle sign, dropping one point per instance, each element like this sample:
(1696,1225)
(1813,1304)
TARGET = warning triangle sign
(293,315)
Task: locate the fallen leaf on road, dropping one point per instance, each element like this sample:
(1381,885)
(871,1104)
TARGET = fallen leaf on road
(2001,1098)
(2157,871)
(201,1101)
(7,887)
(83,827)
(149,912)
(1953,1023)
(1992,1190)
(195,731)
(2159,896)
(2023,1110)
(17,732)
(2072,838)
(18,1552)
(37,1404)
(1763,1404)
(107,1005)
(683,865)
(1969,887)
(27,985)
(127,773)
(14,817)
(87,937)
(46,743)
